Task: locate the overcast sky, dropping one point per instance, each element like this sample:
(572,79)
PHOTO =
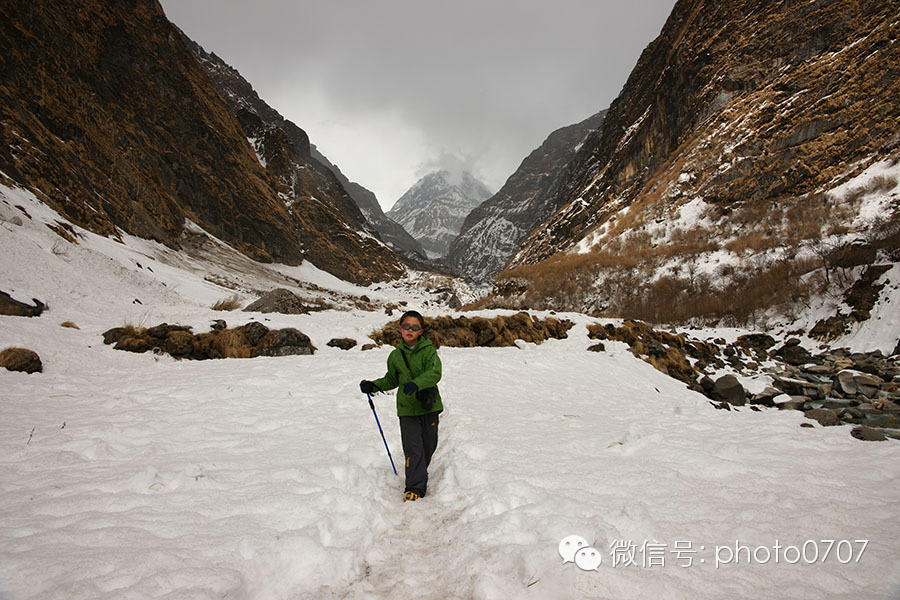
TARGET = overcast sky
(391,89)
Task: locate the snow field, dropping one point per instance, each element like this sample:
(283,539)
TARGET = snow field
(266,478)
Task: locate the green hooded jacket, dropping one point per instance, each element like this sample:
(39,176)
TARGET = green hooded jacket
(426,372)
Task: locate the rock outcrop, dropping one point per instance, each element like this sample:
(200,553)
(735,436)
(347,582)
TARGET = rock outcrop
(313,189)
(390,231)
(247,341)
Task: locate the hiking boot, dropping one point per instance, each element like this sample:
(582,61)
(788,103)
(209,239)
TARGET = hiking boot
(410,496)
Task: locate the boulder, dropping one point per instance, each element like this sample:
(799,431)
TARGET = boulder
(766,397)
(867,434)
(845,382)
(254,331)
(794,403)
(825,417)
(111,336)
(21,359)
(793,353)
(279,301)
(342,343)
(598,347)
(286,342)
(728,389)
(867,385)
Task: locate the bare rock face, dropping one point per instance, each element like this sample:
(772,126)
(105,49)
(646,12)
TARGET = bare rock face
(123,129)
(339,238)
(21,359)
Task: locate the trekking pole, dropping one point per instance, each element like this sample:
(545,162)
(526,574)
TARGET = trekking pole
(372,405)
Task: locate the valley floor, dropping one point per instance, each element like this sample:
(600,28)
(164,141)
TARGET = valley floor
(143,477)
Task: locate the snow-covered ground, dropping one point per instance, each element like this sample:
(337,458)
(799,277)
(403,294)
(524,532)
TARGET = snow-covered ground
(139,476)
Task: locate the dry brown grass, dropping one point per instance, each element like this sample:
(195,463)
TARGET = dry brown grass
(748,294)
(232,343)
(69,324)
(568,283)
(227,304)
(621,275)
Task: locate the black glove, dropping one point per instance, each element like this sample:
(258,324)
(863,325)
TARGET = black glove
(410,388)
(367,387)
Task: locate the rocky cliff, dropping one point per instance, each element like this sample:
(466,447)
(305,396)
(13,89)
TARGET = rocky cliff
(435,207)
(492,231)
(720,165)
(107,116)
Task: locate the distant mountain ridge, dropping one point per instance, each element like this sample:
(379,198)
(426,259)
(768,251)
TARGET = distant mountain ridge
(391,232)
(435,207)
(492,232)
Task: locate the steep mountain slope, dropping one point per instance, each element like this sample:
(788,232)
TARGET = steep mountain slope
(303,172)
(716,172)
(107,116)
(353,201)
(435,207)
(241,96)
(492,232)
(390,231)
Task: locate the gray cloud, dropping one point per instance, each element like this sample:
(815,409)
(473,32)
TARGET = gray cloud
(388,88)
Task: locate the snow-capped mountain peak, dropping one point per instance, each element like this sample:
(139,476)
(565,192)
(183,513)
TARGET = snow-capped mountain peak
(435,207)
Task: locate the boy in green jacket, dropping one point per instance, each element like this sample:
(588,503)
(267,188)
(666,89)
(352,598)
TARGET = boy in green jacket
(414,368)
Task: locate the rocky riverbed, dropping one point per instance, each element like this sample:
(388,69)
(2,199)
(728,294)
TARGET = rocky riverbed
(835,387)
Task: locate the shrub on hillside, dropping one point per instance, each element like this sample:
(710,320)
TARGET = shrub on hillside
(21,359)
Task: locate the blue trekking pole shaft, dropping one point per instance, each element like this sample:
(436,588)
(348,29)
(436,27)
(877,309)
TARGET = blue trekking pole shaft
(377,422)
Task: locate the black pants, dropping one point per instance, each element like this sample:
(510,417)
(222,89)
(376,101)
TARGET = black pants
(420,438)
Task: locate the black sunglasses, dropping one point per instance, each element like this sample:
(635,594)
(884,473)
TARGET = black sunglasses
(409,327)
